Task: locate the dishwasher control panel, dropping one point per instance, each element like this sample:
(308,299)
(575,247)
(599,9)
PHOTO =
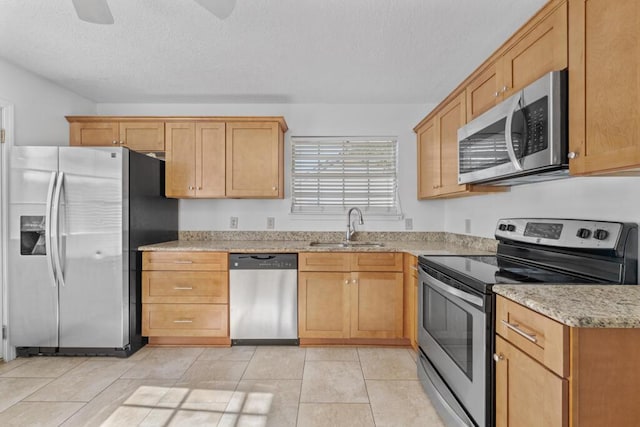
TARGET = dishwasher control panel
(263,261)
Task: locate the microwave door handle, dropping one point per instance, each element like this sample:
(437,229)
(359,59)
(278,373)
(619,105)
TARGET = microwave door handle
(507,132)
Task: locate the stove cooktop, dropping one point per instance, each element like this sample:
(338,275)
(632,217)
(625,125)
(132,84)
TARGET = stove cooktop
(482,272)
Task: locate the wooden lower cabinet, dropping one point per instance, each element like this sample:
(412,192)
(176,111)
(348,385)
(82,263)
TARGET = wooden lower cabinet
(529,394)
(563,376)
(411,299)
(350,305)
(185,298)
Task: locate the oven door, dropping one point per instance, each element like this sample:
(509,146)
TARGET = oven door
(452,334)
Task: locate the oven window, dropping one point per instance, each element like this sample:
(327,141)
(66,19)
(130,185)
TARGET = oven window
(451,326)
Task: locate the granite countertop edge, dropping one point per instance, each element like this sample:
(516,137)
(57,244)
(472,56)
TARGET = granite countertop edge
(280,246)
(580,305)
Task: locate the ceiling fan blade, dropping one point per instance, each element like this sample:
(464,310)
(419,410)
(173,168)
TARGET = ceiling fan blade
(94,11)
(220,8)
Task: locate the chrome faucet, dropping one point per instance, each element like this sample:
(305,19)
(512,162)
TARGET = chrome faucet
(351,226)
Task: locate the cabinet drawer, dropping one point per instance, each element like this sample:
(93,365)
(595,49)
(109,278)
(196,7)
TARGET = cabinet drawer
(545,340)
(185,287)
(377,261)
(164,320)
(211,261)
(324,261)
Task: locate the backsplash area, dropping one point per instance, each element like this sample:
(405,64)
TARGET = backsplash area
(474,242)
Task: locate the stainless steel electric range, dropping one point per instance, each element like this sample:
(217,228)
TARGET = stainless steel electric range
(456,324)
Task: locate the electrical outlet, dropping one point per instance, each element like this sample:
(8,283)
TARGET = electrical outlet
(233,223)
(467,226)
(408,223)
(271,223)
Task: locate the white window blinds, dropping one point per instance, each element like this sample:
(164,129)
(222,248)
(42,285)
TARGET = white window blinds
(330,175)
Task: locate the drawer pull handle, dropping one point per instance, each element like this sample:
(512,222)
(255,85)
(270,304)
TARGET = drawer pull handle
(182,262)
(515,328)
(183,321)
(183,288)
(414,268)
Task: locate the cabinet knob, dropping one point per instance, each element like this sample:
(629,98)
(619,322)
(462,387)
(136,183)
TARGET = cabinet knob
(498,357)
(346,282)
(190,187)
(504,89)
(496,94)
(274,188)
(572,155)
(199,188)
(114,142)
(354,281)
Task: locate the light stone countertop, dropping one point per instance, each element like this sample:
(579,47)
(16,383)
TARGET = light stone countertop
(281,246)
(581,306)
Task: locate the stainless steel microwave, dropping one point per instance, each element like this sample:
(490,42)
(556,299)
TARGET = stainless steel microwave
(523,139)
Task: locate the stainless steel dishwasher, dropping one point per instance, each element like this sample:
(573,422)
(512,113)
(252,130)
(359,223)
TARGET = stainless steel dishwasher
(263,298)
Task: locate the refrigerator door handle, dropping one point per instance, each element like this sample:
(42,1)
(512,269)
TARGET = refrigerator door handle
(47,230)
(56,228)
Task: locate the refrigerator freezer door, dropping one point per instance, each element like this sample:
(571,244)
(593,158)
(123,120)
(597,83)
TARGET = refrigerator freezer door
(93,246)
(32,291)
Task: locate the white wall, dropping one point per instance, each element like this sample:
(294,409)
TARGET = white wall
(306,120)
(39,106)
(600,198)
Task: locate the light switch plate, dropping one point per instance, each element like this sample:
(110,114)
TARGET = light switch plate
(271,223)
(467,226)
(408,223)
(233,222)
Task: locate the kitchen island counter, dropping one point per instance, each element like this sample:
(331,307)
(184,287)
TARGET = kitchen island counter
(580,306)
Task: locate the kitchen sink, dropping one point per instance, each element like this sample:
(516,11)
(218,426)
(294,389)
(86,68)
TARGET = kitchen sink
(346,244)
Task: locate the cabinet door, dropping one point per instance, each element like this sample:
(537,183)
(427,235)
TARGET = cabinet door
(453,116)
(210,159)
(105,134)
(604,100)
(410,303)
(483,92)
(323,305)
(542,50)
(142,136)
(255,160)
(527,394)
(180,160)
(428,160)
(376,305)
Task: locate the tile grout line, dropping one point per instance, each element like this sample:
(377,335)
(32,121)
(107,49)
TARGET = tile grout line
(366,387)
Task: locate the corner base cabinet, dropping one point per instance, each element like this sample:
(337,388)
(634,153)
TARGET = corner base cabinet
(549,374)
(185,298)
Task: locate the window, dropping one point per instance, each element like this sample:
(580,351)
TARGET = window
(330,175)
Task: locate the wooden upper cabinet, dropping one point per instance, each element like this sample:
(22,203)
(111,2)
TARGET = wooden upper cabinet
(536,49)
(428,160)
(452,117)
(255,160)
(94,134)
(142,135)
(210,159)
(483,92)
(180,160)
(604,83)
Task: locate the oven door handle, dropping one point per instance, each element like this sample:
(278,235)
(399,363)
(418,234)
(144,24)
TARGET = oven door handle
(473,299)
(511,152)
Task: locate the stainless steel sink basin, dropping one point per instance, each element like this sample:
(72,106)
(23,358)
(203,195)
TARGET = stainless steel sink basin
(346,244)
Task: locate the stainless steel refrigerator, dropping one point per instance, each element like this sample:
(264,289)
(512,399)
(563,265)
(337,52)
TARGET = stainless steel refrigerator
(76,218)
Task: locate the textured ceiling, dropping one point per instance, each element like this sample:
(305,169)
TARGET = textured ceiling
(290,51)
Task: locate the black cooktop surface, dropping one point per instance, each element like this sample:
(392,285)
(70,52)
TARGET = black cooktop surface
(481,272)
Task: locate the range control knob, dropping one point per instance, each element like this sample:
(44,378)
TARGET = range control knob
(583,233)
(600,234)
(511,227)
(502,227)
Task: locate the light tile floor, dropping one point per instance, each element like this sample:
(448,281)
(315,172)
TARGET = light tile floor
(237,386)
